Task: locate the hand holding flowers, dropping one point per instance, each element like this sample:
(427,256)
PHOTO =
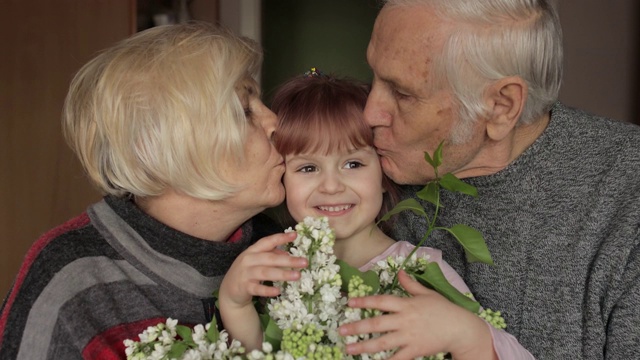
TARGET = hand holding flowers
(416,325)
(263,261)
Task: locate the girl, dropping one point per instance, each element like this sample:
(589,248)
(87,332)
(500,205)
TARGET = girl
(332,170)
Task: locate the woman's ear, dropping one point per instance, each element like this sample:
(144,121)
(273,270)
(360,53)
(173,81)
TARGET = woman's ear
(505,99)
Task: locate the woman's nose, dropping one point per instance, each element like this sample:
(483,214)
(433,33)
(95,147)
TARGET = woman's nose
(269,122)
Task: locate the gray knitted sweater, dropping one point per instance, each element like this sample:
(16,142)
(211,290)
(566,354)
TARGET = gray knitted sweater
(562,225)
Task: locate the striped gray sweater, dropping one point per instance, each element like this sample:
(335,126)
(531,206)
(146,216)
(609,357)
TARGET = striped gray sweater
(562,224)
(107,275)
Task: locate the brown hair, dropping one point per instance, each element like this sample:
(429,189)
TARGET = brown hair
(325,113)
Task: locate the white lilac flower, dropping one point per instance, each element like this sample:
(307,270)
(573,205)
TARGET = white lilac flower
(306,283)
(267,347)
(192,354)
(256,354)
(207,350)
(166,338)
(199,334)
(314,302)
(329,294)
(159,351)
(150,334)
(171,325)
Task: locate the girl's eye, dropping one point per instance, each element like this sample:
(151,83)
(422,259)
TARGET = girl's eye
(247,112)
(353,164)
(306,169)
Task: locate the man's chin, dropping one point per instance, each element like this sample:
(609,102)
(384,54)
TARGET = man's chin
(409,176)
(393,172)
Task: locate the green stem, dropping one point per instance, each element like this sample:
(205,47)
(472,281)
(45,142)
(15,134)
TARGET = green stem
(432,226)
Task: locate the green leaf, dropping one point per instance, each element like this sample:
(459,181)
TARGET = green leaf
(434,278)
(473,243)
(428,159)
(407,204)
(436,160)
(347,271)
(437,155)
(452,183)
(176,350)
(430,193)
(213,334)
(272,333)
(185,333)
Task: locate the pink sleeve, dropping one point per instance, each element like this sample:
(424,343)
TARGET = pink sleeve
(505,345)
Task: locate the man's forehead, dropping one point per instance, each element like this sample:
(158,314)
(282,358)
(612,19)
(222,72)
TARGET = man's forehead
(417,23)
(403,42)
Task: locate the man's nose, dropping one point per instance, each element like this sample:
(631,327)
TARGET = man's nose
(376,111)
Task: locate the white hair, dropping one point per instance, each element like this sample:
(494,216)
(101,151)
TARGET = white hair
(494,39)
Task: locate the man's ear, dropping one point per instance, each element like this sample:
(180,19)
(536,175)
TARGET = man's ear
(505,99)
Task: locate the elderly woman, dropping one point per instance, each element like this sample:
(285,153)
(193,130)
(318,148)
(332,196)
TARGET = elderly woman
(170,126)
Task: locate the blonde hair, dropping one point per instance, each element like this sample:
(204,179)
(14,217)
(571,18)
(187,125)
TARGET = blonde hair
(160,110)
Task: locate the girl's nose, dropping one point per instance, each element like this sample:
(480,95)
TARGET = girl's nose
(331,183)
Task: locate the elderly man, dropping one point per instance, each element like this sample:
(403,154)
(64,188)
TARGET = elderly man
(559,196)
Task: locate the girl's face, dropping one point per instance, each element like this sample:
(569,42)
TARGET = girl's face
(345,186)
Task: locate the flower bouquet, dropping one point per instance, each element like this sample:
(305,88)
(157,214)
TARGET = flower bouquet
(302,322)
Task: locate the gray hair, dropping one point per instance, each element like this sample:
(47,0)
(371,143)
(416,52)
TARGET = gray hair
(493,39)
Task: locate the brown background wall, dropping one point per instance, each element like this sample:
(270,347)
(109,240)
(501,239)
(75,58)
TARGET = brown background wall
(43,42)
(602,46)
(41,184)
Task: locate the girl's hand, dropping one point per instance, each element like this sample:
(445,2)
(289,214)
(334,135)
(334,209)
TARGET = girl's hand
(424,324)
(262,261)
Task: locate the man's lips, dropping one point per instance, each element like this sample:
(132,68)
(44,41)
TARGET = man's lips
(379,149)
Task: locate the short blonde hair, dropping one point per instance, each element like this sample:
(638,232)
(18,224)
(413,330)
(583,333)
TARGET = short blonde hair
(160,110)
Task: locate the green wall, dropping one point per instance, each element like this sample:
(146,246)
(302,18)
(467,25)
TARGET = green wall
(331,35)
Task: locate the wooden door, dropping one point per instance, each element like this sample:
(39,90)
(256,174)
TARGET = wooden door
(42,44)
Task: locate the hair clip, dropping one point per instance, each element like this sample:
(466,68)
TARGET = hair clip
(314,72)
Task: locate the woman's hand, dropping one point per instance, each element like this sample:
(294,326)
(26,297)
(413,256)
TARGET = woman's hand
(424,324)
(262,261)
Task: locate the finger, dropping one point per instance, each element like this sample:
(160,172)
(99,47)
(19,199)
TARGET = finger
(263,290)
(270,258)
(412,286)
(406,353)
(385,342)
(385,303)
(269,273)
(271,242)
(377,324)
